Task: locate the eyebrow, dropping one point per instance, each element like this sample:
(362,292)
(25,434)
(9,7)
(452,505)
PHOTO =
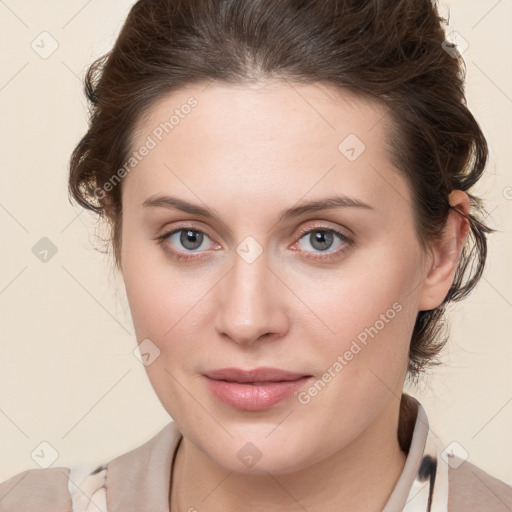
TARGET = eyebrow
(327,203)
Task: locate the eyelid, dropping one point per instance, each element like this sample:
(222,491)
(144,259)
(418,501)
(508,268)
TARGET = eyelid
(183,225)
(322,226)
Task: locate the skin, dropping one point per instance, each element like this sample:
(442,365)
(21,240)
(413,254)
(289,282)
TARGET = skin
(247,153)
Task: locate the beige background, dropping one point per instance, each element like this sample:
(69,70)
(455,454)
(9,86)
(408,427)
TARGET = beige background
(67,372)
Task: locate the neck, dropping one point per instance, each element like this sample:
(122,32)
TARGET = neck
(373,461)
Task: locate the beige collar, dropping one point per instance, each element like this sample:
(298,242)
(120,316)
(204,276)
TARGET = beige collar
(145,469)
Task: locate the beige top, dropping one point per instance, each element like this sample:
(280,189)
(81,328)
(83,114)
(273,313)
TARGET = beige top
(432,480)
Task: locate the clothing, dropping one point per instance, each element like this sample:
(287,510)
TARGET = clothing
(138,481)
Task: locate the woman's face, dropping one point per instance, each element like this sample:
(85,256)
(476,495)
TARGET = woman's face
(256,279)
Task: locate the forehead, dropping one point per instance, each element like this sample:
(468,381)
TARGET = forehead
(270,112)
(269,138)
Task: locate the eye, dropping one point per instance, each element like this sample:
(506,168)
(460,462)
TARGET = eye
(322,239)
(187,239)
(178,242)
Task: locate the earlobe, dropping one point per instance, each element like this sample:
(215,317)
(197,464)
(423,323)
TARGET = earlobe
(445,253)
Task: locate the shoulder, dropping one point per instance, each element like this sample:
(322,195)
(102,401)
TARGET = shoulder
(138,476)
(60,489)
(37,489)
(471,488)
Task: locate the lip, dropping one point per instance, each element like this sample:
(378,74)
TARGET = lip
(263,374)
(255,389)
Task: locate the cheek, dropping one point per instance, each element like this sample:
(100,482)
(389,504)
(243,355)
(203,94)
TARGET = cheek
(372,290)
(157,294)
(162,306)
(366,316)
(172,308)
(164,310)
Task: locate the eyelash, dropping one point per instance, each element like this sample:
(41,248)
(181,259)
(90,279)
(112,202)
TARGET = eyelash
(326,256)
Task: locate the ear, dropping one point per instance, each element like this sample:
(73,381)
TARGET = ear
(445,253)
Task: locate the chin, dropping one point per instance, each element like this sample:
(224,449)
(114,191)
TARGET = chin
(257,455)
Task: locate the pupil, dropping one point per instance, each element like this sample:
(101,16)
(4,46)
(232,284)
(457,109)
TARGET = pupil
(191,239)
(324,238)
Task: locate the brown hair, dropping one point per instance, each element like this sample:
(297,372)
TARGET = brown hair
(393,51)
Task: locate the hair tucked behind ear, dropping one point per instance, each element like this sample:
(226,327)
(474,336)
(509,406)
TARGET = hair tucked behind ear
(392,51)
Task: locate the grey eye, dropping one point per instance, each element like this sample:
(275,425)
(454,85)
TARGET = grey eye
(189,239)
(322,239)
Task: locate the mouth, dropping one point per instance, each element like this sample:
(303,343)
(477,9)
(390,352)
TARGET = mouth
(255,376)
(255,389)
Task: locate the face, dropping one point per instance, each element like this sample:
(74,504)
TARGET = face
(225,267)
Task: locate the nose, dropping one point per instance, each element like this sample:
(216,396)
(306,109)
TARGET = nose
(250,304)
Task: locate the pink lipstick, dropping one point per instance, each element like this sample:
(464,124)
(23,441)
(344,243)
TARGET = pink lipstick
(253,390)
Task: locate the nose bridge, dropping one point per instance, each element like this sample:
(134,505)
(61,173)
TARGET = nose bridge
(247,308)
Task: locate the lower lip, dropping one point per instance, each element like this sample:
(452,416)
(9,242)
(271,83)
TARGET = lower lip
(254,397)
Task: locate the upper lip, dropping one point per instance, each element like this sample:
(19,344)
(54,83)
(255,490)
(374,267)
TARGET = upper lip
(264,374)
